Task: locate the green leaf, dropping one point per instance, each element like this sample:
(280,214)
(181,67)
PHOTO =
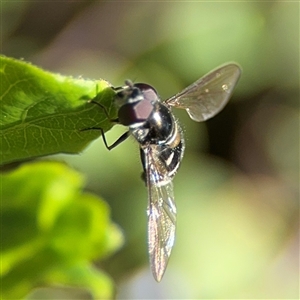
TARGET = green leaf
(51,231)
(43,113)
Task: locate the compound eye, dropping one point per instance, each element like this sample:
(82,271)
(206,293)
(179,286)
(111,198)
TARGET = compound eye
(148,91)
(140,110)
(136,112)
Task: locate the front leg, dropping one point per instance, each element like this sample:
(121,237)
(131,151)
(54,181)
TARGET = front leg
(143,175)
(121,139)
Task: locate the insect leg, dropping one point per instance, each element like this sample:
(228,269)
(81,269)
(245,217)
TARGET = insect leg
(121,139)
(117,89)
(143,175)
(105,111)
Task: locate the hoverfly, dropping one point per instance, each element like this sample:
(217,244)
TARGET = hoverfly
(152,124)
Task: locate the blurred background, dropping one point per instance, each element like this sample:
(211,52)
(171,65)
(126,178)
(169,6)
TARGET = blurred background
(237,191)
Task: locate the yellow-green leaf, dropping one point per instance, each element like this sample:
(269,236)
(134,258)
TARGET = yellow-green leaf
(42,113)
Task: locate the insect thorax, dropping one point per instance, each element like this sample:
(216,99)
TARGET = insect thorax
(157,129)
(163,134)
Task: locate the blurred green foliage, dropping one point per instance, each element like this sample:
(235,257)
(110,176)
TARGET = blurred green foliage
(51,231)
(237,191)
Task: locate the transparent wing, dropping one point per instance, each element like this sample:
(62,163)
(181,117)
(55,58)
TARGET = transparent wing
(161,213)
(208,95)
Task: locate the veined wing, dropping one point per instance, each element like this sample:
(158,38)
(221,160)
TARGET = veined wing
(161,213)
(208,95)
